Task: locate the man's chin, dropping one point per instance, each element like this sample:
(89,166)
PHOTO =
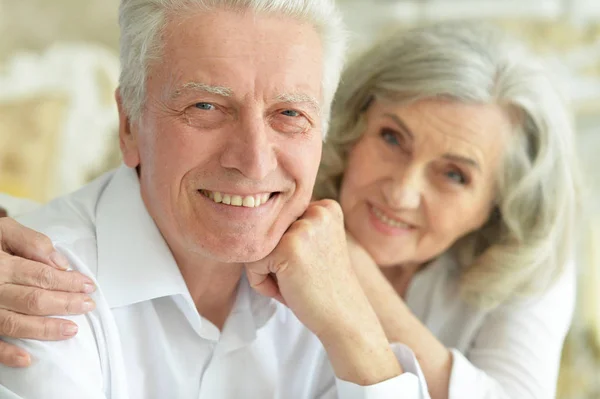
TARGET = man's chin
(243,253)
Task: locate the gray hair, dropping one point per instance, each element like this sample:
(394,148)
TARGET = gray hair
(528,239)
(142,22)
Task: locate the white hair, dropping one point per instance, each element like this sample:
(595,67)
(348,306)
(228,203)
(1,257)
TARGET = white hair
(528,239)
(142,22)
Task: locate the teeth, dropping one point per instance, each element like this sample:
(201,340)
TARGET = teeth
(250,201)
(236,200)
(389,221)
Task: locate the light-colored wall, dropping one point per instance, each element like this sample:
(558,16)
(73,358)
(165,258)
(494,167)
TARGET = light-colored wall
(37,24)
(58,70)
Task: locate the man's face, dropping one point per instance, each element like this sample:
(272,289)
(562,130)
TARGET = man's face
(230,140)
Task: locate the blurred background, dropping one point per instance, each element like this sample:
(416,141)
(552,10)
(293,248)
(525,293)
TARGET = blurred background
(58,122)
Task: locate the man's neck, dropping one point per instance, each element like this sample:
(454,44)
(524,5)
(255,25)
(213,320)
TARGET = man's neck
(213,287)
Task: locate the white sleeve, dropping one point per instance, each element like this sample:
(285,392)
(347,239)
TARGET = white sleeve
(16,206)
(516,353)
(409,385)
(68,369)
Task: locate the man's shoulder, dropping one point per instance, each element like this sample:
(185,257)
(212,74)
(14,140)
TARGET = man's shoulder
(70,223)
(17,206)
(70,217)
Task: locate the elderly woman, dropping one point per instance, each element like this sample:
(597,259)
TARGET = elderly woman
(450,153)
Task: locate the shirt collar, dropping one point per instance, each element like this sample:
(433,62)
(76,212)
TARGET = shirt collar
(249,301)
(250,313)
(134,261)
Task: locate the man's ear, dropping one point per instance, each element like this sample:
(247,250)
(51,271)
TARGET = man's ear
(127,138)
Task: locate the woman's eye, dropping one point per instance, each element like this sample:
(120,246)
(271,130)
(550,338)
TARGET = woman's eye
(390,137)
(205,106)
(458,177)
(291,113)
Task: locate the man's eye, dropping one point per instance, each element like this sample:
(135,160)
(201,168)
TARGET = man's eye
(205,106)
(290,121)
(291,113)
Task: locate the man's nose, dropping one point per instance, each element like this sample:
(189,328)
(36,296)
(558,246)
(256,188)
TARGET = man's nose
(250,149)
(404,190)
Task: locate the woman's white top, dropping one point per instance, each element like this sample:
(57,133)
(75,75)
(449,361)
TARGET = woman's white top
(511,352)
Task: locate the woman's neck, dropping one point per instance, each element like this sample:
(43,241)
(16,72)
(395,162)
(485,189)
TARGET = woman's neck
(400,276)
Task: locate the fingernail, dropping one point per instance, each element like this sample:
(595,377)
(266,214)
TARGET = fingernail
(68,330)
(88,305)
(21,360)
(88,288)
(59,260)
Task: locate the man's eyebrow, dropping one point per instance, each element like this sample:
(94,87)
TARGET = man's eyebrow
(201,87)
(292,98)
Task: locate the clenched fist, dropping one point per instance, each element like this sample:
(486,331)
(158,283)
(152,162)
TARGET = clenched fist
(310,272)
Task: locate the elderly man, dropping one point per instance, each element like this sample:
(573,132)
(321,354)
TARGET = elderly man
(222,106)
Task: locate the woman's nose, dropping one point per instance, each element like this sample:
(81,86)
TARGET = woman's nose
(404,190)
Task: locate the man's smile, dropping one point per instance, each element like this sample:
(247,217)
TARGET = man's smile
(248,201)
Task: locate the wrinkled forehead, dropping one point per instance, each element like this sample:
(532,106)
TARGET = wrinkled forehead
(243,52)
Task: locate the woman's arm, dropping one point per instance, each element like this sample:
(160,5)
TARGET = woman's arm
(516,352)
(401,325)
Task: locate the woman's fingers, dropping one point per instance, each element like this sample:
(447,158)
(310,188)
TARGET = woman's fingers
(16,239)
(13,356)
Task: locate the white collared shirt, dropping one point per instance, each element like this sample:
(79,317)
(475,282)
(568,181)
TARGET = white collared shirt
(146,339)
(17,206)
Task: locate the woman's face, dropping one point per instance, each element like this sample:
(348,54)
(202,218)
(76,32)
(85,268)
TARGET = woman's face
(422,176)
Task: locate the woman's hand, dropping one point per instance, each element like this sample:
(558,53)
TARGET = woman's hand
(34,282)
